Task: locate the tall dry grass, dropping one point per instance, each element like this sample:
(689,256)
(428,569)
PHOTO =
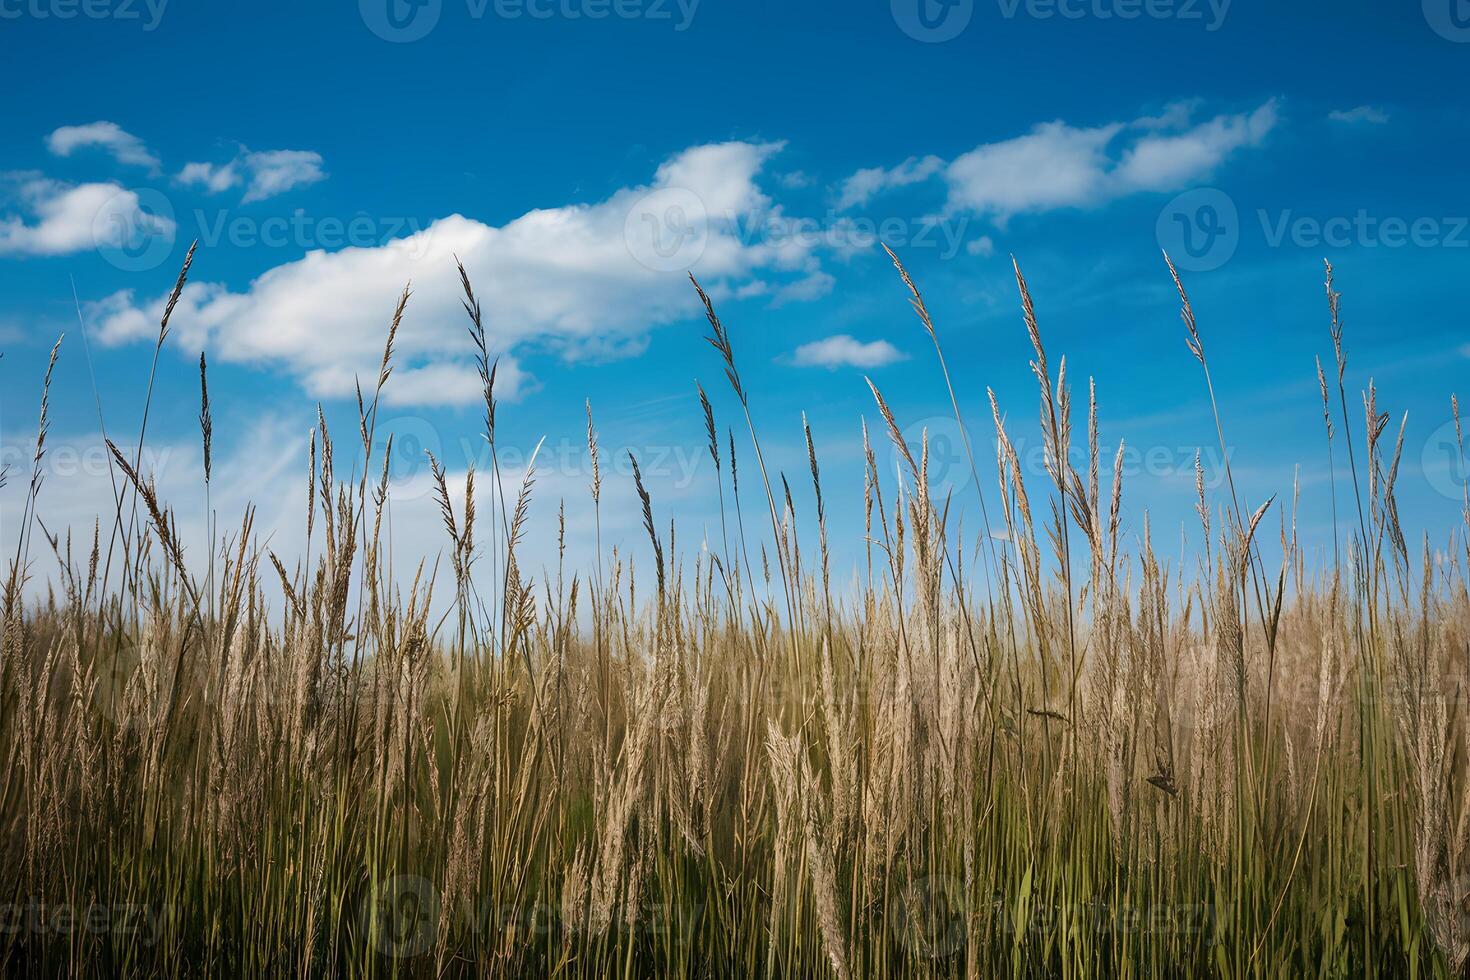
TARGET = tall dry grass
(1033,749)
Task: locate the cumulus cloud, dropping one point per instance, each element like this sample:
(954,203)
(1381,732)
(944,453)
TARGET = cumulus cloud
(109,136)
(64,219)
(846,351)
(1361,114)
(1058,165)
(265,174)
(574,280)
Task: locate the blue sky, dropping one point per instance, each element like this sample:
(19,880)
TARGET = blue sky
(580,155)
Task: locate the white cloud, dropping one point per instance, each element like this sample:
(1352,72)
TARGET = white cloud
(1176,115)
(214,178)
(1055,165)
(1161,163)
(71,219)
(565,279)
(812,287)
(861,186)
(1362,114)
(266,173)
(1058,165)
(982,246)
(845,351)
(276,171)
(124,146)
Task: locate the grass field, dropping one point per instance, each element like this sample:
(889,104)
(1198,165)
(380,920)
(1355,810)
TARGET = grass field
(1042,751)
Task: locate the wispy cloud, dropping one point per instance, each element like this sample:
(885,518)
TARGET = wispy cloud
(214,178)
(265,174)
(277,171)
(861,186)
(1165,162)
(1361,114)
(109,136)
(1058,165)
(843,350)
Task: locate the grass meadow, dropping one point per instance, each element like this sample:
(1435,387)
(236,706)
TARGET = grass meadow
(1033,749)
